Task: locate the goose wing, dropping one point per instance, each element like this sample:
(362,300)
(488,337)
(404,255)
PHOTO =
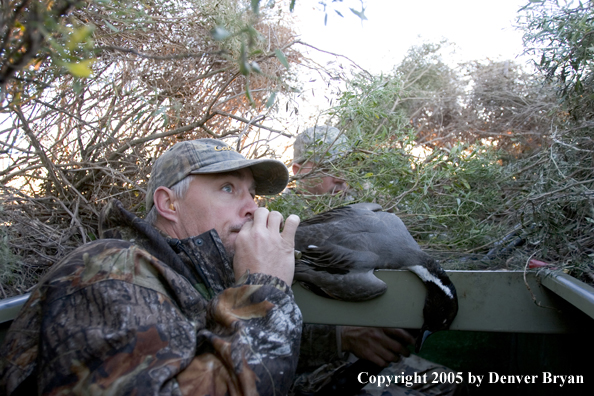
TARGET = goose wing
(337,272)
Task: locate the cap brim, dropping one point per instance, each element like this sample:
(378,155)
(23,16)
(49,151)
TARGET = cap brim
(271,176)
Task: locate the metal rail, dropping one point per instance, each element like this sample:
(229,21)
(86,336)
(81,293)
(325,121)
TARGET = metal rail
(10,307)
(574,291)
(494,301)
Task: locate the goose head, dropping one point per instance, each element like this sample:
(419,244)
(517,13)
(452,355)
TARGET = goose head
(441,301)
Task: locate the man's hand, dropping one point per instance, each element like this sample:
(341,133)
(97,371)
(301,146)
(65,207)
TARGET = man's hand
(379,345)
(262,248)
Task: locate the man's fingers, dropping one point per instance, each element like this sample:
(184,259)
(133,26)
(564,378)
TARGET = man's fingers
(400,335)
(261,248)
(260,217)
(274,221)
(392,346)
(291,225)
(379,361)
(388,356)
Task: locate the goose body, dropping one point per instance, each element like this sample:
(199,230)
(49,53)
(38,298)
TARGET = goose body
(341,248)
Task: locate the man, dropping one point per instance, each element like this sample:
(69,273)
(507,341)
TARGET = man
(314,148)
(325,349)
(196,300)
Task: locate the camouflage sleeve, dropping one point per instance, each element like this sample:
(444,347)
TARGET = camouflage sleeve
(319,345)
(116,320)
(254,329)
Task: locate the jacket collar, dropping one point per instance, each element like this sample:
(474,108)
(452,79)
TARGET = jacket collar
(202,259)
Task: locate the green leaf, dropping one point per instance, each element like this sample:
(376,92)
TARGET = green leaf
(465,183)
(244,67)
(281,57)
(219,33)
(292,5)
(82,68)
(111,27)
(360,14)
(78,36)
(271,100)
(256,6)
(77,86)
(248,94)
(254,66)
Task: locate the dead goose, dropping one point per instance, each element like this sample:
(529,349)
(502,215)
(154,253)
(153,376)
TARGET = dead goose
(341,248)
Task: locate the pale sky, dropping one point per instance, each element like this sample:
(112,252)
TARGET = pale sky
(480,29)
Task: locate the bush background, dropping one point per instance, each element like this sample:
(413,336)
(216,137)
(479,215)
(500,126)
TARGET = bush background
(489,164)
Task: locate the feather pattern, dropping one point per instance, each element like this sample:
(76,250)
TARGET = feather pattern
(342,247)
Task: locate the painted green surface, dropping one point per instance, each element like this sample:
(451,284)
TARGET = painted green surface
(494,301)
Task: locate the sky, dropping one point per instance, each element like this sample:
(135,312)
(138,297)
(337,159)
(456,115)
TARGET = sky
(479,29)
(476,29)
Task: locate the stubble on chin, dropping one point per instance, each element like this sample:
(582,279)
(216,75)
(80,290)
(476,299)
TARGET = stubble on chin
(229,242)
(229,245)
(230,249)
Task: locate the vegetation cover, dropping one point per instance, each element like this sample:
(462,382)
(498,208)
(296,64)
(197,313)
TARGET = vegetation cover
(505,175)
(489,165)
(93,91)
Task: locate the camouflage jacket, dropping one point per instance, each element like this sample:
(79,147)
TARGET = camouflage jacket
(147,315)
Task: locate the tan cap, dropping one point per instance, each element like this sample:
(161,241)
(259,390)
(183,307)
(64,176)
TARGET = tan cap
(319,143)
(202,156)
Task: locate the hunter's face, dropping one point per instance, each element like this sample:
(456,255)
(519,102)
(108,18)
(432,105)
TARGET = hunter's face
(223,201)
(325,183)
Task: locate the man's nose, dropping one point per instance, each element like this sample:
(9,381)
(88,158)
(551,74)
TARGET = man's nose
(341,185)
(249,206)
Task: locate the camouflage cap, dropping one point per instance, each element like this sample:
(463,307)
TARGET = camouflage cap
(202,156)
(318,143)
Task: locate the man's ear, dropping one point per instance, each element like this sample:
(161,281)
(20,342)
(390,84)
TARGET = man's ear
(303,169)
(165,203)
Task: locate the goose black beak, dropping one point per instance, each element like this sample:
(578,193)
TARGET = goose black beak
(421,339)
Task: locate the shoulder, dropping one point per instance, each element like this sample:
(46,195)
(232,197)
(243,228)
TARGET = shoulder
(104,260)
(102,250)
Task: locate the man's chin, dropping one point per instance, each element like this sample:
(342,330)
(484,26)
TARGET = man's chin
(230,237)
(229,244)
(230,251)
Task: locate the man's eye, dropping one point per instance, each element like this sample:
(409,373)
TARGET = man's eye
(228,188)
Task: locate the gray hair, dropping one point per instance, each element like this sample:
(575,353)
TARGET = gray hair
(179,190)
(319,143)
